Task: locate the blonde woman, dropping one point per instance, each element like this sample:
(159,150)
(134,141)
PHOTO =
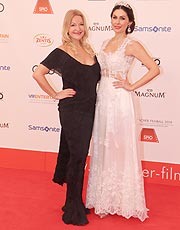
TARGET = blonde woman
(77,64)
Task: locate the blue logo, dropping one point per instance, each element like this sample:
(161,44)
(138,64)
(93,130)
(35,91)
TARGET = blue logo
(43,128)
(155,29)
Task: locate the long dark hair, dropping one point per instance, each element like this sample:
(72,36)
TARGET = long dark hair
(129,13)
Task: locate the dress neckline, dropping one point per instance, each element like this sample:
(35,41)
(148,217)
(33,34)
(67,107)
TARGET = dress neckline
(118,48)
(76,59)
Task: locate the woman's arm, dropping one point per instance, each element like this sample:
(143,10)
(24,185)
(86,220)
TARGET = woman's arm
(40,76)
(137,50)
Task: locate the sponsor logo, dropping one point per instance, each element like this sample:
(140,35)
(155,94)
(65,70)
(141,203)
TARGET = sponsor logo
(155,29)
(4,125)
(1,96)
(43,40)
(157,60)
(165,173)
(161,172)
(155,122)
(50,71)
(43,128)
(149,135)
(43,7)
(38,98)
(5,68)
(97,27)
(150,94)
(4,38)
(1,7)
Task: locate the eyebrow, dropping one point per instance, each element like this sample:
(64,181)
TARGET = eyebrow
(122,15)
(76,22)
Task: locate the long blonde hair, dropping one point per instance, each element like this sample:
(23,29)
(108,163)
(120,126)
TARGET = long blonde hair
(66,39)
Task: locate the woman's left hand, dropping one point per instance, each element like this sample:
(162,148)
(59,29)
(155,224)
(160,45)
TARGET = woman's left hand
(122,83)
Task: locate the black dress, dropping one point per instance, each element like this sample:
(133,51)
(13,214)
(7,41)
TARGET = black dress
(76,118)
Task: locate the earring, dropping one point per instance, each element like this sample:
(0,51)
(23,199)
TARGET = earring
(129,29)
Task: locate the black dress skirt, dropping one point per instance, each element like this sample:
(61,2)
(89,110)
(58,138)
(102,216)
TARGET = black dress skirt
(76,118)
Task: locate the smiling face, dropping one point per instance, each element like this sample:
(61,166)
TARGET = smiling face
(77,28)
(119,21)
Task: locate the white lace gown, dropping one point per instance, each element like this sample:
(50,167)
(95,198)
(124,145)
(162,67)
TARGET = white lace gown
(115,183)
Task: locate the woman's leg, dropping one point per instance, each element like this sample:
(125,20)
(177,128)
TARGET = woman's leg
(78,134)
(62,161)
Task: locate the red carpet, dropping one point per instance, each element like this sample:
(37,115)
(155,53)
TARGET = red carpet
(30,201)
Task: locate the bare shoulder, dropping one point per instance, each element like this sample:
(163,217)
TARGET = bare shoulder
(67,49)
(62,47)
(134,44)
(133,47)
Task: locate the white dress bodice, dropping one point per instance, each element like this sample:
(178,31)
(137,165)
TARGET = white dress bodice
(116,62)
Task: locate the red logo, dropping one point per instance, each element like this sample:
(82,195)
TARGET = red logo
(149,135)
(43,40)
(43,7)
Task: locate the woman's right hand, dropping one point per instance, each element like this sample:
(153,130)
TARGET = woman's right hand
(64,94)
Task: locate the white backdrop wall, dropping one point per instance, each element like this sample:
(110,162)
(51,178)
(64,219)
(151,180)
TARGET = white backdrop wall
(29,30)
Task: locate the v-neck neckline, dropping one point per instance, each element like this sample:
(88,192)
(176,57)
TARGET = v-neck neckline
(118,48)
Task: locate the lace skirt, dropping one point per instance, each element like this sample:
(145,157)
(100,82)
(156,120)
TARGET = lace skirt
(115,184)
